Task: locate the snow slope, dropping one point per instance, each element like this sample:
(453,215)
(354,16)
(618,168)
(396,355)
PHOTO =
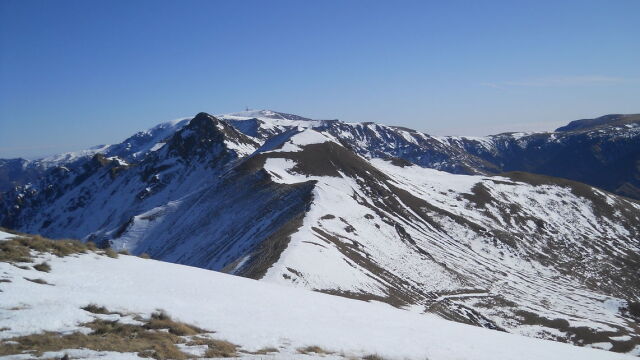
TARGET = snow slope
(490,251)
(249,313)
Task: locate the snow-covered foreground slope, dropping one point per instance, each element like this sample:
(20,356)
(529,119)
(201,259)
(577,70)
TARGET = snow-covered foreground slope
(246,312)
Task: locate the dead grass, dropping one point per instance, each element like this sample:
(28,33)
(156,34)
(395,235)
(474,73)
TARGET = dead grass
(12,251)
(372,357)
(313,349)
(110,253)
(123,338)
(96,309)
(263,351)
(38,281)
(44,267)
(221,349)
(145,339)
(123,252)
(144,256)
(161,320)
(216,348)
(18,250)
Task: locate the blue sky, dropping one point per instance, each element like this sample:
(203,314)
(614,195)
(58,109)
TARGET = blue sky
(79,73)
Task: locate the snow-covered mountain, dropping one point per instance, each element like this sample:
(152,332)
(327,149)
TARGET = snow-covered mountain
(367,139)
(603,152)
(90,306)
(351,210)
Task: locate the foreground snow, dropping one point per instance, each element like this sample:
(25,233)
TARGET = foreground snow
(249,313)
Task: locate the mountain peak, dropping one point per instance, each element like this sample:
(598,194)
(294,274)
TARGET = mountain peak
(205,132)
(202,118)
(268,114)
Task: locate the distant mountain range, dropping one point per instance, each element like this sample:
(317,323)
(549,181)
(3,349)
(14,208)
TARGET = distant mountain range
(603,152)
(525,233)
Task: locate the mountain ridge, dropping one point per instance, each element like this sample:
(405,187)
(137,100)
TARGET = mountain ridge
(524,253)
(605,148)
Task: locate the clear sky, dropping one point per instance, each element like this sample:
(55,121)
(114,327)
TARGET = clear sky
(79,73)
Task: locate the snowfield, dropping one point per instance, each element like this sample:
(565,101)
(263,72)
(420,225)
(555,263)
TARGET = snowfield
(249,313)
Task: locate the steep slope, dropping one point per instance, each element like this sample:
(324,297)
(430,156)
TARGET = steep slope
(86,297)
(528,254)
(101,191)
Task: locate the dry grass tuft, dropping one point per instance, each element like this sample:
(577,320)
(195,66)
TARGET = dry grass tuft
(216,348)
(38,281)
(122,338)
(110,253)
(221,349)
(372,357)
(96,309)
(161,320)
(144,256)
(18,249)
(123,252)
(263,351)
(44,267)
(59,248)
(313,349)
(13,251)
